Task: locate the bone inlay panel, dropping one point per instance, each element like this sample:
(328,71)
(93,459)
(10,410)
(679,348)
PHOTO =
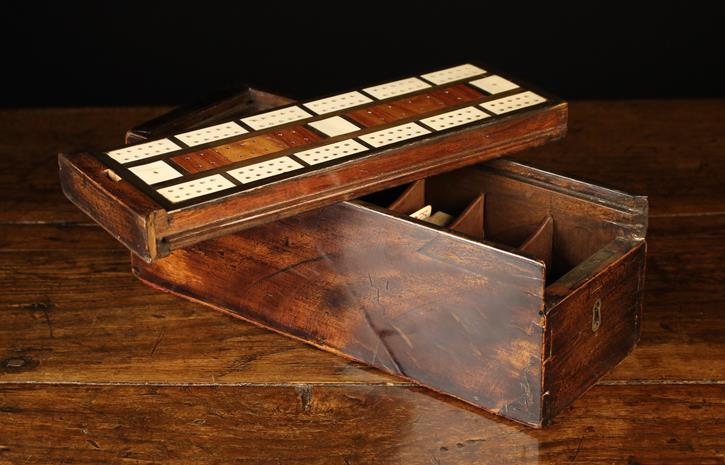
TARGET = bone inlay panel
(265,169)
(513,102)
(196,188)
(454,118)
(334,126)
(494,84)
(395,88)
(337,102)
(156,172)
(456,73)
(329,152)
(210,134)
(141,151)
(276,118)
(394,134)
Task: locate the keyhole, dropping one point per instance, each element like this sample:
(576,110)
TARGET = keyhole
(597,315)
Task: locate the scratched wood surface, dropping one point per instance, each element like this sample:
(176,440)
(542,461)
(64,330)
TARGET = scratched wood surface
(96,367)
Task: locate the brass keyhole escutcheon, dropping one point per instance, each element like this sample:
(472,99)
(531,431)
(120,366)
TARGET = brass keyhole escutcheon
(597,315)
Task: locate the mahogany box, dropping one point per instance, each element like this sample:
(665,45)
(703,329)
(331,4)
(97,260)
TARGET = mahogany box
(528,295)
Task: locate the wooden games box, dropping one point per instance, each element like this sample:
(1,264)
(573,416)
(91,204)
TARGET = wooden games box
(520,301)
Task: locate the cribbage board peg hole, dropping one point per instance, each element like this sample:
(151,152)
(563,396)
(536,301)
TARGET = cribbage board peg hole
(597,315)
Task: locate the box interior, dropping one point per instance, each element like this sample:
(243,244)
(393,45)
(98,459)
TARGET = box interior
(560,229)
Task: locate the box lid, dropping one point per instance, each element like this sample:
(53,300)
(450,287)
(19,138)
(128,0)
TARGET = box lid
(164,194)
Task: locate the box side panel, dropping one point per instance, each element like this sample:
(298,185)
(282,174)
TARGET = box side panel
(596,326)
(455,315)
(120,209)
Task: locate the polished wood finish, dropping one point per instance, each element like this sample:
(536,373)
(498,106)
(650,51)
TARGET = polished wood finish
(135,370)
(355,424)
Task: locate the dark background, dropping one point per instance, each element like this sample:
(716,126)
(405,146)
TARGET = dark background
(129,54)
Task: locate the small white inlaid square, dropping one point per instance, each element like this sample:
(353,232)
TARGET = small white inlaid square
(265,169)
(196,188)
(152,173)
(210,134)
(494,84)
(276,117)
(337,102)
(394,134)
(141,151)
(454,118)
(456,73)
(329,152)
(334,126)
(513,102)
(395,88)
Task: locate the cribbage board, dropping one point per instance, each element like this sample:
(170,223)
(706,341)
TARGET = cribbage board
(215,161)
(165,194)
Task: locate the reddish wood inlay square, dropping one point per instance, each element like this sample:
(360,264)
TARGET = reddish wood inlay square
(202,160)
(296,136)
(454,95)
(380,114)
(422,103)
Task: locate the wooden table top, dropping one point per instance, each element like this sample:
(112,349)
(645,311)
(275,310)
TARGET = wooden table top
(97,368)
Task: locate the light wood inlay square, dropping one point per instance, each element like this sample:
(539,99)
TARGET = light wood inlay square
(252,147)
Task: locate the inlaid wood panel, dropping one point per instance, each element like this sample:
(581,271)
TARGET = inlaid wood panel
(420,104)
(195,162)
(454,95)
(296,136)
(380,114)
(252,147)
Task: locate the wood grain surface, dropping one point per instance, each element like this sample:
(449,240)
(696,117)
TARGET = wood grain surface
(97,368)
